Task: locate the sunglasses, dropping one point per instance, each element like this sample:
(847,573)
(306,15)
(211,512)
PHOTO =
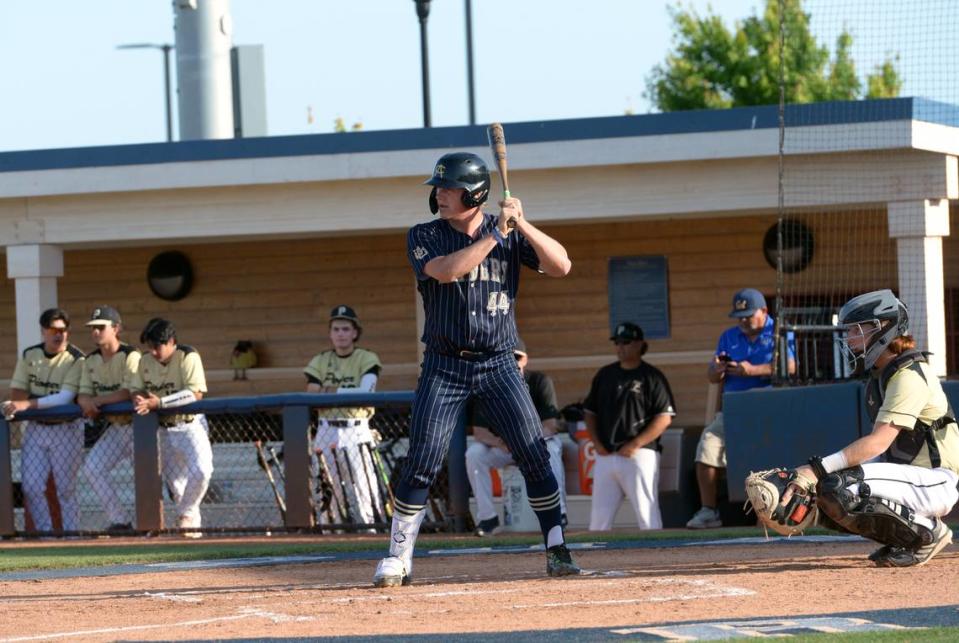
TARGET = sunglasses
(623,342)
(57,330)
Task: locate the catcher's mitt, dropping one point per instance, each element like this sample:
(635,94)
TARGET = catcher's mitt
(765,490)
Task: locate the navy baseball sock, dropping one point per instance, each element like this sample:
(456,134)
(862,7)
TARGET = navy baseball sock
(545,500)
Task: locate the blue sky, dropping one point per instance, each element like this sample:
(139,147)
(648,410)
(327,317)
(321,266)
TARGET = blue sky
(64,84)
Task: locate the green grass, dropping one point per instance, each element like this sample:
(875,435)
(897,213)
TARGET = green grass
(944,634)
(78,554)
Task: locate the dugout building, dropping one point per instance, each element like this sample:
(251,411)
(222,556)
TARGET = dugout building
(664,217)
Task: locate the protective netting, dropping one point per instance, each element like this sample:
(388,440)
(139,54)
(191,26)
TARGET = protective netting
(865,176)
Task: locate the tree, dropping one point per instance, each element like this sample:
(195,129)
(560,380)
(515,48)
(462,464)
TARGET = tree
(712,67)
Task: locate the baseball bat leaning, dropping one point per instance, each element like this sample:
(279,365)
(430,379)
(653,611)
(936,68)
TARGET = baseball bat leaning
(497,145)
(261,457)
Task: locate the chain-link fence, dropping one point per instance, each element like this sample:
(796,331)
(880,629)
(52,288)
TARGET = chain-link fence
(221,471)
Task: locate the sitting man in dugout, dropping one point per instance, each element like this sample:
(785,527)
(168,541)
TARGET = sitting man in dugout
(489,451)
(743,361)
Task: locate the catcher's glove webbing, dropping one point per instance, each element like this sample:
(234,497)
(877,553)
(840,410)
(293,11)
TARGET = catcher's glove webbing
(765,491)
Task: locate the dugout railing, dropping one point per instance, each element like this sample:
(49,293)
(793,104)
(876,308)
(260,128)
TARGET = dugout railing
(267,474)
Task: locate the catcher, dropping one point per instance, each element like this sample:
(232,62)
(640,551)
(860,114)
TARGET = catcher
(895,484)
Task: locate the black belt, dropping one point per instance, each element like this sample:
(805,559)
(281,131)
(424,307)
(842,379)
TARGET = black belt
(342,423)
(469,356)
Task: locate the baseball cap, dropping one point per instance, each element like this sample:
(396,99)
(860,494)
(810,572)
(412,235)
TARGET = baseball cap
(344,312)
(520,347)
(746,302)
(628,331)
(103,315)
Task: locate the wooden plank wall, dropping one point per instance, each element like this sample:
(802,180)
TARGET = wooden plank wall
(278,293)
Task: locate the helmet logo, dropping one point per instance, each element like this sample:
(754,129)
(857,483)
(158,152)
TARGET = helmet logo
(440,170)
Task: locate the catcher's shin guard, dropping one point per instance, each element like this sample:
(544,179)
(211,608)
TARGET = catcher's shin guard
(878,519)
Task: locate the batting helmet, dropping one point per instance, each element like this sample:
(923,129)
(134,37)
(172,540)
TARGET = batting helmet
(879,318)
(460,170)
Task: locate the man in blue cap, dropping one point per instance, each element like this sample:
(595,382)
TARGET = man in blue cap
(743,361)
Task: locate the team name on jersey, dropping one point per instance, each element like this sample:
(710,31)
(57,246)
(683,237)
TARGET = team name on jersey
(53,387)
(491,269)
(160,390)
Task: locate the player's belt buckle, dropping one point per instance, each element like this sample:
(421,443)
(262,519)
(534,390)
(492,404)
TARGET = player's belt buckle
(471,355)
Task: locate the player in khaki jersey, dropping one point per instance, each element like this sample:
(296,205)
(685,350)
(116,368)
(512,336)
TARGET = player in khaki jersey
(48,375)
(343,436)
(171,375)
(107,377)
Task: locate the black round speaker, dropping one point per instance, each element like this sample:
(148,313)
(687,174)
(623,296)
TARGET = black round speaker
(798,245)
(170,275)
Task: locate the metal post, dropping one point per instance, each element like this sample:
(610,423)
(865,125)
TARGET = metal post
(6,481)
(169,97)
(469,61)
(296,466)
(456,472)
(147,481)
(423,12)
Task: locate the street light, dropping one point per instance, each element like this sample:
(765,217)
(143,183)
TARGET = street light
(423,12)
(166,79)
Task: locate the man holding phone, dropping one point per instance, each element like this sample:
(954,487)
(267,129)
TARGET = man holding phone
(743,361)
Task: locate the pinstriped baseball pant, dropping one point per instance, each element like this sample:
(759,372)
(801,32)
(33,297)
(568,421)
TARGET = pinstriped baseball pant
(445,385)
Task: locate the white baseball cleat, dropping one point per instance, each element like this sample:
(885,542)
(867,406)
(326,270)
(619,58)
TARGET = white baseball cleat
(185,522)
(391,572)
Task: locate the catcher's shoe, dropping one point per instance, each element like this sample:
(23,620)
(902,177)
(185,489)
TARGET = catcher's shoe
(901,557)
(881,553)
(560,563)
(391,572)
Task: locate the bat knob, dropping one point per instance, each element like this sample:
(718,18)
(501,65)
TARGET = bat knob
(511,223)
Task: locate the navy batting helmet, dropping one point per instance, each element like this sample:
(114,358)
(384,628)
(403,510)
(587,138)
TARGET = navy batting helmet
(460,170)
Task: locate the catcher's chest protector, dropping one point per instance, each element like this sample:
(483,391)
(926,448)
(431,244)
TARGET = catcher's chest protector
(907,444)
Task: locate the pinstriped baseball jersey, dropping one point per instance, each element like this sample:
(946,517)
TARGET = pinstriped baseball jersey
(476,311)
(102,378)
(40,374)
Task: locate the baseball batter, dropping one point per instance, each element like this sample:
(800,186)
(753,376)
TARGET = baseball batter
(48,375)
(171,375)
(628,408)
(343,437)
(467,270)
(900,501)
(107,377)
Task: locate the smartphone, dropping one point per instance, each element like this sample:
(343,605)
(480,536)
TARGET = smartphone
(724,358)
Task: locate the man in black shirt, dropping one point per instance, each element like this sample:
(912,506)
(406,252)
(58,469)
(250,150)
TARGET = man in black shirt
(490,451)
(628,408)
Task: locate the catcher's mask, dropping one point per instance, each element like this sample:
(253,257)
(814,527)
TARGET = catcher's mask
(870,322)
(460,170)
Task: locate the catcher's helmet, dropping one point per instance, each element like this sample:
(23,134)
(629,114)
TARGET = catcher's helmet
(460,170)
(880,318)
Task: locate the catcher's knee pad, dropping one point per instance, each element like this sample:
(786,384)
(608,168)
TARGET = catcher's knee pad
(878,519)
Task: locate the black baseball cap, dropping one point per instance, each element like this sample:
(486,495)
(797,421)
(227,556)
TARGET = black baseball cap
(627,331)
(104,315)
(344,312)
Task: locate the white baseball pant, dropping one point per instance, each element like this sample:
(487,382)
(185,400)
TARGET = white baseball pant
(187,465)
(56,448)
(114,446)
(638,477)
(352,472)
(480,458)
(930,493)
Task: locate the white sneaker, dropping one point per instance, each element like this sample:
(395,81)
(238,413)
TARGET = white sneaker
(185,522)
(705,518)
(391,572)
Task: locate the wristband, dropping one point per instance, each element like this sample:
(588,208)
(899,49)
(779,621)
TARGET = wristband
(816,463)
(500,239)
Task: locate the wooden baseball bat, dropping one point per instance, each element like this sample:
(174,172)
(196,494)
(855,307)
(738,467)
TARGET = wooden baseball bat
(497,145)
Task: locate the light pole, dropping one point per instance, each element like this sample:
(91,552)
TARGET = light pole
(469,62)
(423,12)
(165,48)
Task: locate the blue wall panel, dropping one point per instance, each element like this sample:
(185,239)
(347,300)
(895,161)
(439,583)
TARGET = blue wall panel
(784,427)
